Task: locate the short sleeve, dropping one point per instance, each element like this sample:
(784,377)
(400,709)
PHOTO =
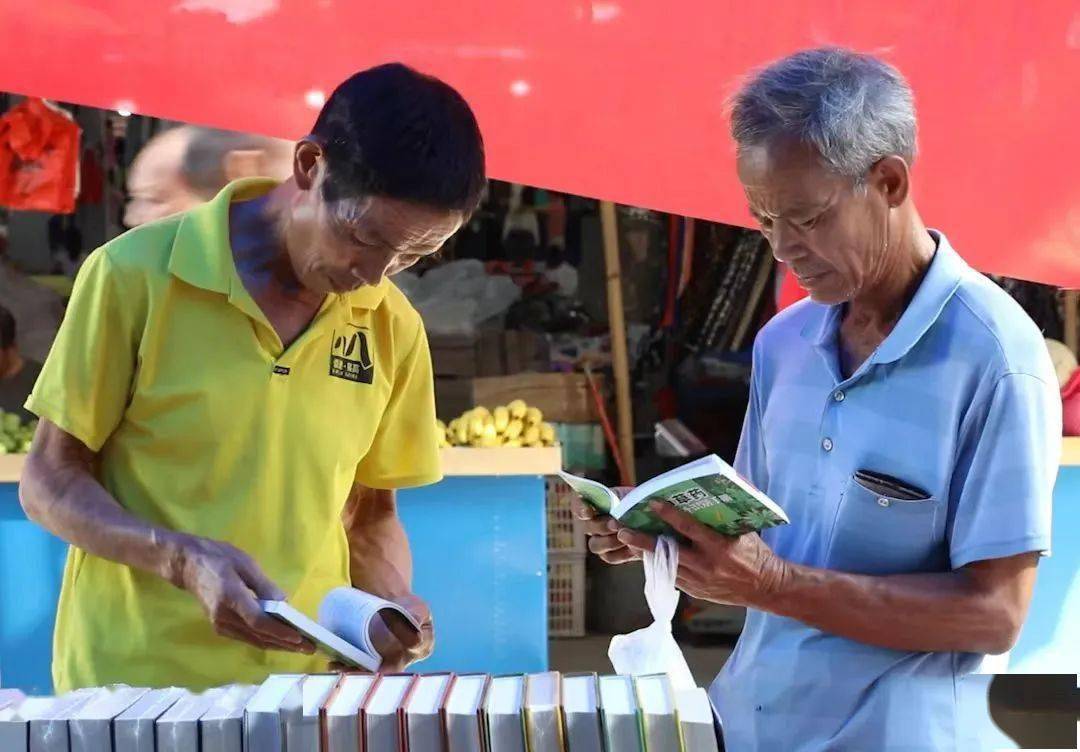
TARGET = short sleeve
(405,451)
(1001,494)
(85,383)
(750,457)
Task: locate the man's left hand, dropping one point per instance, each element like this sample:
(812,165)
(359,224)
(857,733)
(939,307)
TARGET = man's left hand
(397,641)
(739,570)
(399,644)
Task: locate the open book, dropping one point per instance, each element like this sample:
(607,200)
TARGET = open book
(344,626)
(707,488)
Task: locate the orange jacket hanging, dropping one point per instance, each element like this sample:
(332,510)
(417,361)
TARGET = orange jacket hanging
(39,158)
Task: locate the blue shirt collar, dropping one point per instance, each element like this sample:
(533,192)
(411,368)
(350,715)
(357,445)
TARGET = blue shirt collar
(946,271)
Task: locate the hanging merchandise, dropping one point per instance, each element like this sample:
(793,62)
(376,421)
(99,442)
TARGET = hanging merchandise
(92,178)
(687,253)
(1041,302)
(39,158)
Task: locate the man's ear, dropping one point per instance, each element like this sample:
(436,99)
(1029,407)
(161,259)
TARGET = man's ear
(306,163)
(893,178)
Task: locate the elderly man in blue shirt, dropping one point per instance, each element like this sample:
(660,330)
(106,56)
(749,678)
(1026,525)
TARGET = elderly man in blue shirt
(906,417)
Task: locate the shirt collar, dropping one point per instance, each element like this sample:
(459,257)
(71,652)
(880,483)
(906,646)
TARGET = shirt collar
(202,256)
(942,278)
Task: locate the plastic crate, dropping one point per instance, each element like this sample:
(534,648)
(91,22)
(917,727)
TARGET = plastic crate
(565,533)
(583,446)
(566,595)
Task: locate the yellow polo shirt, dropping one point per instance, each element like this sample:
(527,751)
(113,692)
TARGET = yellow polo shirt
(205,424)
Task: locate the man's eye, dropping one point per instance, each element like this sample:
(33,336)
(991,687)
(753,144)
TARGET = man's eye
(811,223)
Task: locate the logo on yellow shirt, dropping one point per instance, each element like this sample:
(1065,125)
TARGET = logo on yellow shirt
(350,358)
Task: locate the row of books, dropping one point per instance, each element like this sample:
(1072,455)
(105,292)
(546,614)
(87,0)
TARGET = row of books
(545,712)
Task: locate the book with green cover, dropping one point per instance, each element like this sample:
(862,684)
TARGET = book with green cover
(708,488)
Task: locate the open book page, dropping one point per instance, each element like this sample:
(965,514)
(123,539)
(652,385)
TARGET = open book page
(348,613)
(597,495)
(711,491)
(330,643)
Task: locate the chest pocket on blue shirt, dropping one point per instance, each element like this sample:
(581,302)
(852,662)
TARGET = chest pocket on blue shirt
(876,534)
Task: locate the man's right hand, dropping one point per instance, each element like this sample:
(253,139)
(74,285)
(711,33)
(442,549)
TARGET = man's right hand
(228,585)
(602,531)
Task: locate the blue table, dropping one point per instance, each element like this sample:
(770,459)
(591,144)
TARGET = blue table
(1050,640)
(480,560)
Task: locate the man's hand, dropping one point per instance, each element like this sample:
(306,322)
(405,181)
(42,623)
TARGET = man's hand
(228,585)
(714,567)
(603,530)
(397,642)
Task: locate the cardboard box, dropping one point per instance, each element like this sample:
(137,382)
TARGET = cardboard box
(561,397)
(453,355)
(490,352)
(453,396)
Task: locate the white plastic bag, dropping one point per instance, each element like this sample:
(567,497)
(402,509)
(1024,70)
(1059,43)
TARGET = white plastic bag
(458,296)
(653,650)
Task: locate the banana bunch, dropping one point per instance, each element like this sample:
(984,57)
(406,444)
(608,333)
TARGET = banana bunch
(15,436)
(513,425)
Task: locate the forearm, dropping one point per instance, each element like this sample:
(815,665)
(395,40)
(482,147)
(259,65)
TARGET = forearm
(63,496)
(934,612)
(380,561)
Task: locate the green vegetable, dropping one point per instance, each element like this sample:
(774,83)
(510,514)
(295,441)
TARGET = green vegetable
(15,435)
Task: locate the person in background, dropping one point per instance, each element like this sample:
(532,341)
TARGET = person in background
(907,418)
(17,374)
(232,382)
(184,166)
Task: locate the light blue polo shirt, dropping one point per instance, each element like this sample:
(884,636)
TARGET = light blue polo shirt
(960,400)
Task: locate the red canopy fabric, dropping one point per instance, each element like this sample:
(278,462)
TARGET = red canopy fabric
(615,99)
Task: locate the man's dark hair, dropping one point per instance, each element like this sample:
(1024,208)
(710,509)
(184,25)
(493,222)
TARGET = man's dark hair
(393,132)
(7,329)
(203,165)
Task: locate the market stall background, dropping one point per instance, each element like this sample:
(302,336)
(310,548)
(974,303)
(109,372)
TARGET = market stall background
(622,101)
(619,100)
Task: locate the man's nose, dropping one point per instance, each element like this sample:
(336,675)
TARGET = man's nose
(373,267)
(783,241)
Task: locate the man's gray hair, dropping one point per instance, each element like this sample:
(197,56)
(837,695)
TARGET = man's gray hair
(854,109)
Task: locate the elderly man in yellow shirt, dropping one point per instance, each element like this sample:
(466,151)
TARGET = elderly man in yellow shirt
(230,381)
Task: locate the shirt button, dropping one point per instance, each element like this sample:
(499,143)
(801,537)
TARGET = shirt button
(883,502)
(839,396)
(827,444)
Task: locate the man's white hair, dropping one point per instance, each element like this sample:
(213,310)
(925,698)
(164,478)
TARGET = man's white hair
(854,109)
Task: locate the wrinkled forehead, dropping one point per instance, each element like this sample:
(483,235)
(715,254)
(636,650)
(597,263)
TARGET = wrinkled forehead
(393,220)
(349,210)
(785,177)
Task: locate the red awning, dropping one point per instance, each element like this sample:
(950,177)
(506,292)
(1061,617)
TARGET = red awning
(616,99)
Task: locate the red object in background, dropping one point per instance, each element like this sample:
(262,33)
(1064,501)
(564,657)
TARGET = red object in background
(39,158)
(1070,404)
(91,178)
(613,99)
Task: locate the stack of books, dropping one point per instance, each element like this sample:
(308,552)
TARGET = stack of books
(545,712)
